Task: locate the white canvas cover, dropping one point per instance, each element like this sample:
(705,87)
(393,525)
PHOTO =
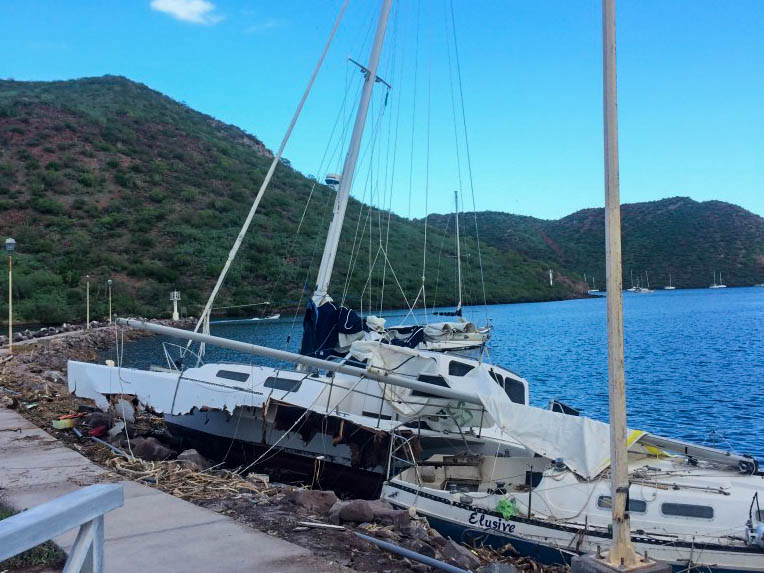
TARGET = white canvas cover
(438,329)
(582,443)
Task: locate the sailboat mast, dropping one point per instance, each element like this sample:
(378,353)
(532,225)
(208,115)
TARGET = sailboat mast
(622,551)
(458,253)
(348,169)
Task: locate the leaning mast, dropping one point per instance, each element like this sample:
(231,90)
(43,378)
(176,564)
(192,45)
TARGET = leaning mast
(320,295)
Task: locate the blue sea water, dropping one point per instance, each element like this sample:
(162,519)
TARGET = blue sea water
(694,358)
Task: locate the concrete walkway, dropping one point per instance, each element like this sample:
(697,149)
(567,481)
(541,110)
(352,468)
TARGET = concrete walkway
(153,531)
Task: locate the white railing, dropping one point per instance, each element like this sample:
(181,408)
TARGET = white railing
(83,508)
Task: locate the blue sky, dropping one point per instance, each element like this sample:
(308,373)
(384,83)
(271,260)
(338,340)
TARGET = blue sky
(690,81)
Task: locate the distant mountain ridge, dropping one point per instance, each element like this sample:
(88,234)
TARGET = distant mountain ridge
(688,239)
(108,178)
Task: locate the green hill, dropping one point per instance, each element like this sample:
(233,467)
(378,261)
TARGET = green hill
(688,239)
(108,178)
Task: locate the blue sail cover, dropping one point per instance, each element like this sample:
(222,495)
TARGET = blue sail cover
(322,326)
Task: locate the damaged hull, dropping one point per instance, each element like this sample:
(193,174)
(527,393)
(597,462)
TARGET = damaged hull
(291,413)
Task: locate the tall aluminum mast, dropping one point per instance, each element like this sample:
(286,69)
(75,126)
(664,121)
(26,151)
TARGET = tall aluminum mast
(458,254)
(348,170)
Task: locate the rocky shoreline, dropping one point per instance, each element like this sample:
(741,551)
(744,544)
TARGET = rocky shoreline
(135,444)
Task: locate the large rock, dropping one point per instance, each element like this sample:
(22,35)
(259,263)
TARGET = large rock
(313,499)
(459,555)
(423,549)
(386,515)
(357,511)
(150,449)
(193,460)
(416,531)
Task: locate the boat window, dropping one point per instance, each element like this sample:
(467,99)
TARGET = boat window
(497,377)
(233,375)
(635,505)
(688,510)
(286,384)
(430,379)
(515,390)
(456,368)
(760,515)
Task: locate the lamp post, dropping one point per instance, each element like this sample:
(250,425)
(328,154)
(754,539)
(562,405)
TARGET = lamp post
(87,302)
(10,245)
(108,282)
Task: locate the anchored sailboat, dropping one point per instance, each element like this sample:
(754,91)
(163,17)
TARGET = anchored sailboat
(720,284)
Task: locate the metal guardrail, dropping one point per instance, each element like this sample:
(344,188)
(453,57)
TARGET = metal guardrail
(83,508)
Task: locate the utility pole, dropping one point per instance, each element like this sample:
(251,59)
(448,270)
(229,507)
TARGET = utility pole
(10,245)
(108,282)
(87,302)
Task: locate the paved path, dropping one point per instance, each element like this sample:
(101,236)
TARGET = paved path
(154,531)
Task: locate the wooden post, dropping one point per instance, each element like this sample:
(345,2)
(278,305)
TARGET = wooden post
(621,552)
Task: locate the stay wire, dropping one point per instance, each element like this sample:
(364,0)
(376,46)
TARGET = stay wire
(469,160)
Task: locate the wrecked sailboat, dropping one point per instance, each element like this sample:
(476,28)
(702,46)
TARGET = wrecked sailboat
(328,410)
(691,506)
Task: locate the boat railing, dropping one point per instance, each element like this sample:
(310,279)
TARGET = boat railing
(84,508)
(401,456)
(177,363)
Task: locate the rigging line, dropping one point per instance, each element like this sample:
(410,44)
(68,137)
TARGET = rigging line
(469,160)
(368,277)
(392,169)
(205,317)
(453,103)
(427,174)
(440,254)
(340,114)
(392,270)
(356,239)
(413,111)
(355,254)
(458,157)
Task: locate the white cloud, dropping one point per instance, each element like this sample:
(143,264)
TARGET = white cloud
(195,11)
(263,26)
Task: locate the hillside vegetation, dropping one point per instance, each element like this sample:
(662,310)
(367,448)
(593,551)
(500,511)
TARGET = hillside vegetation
(108,178)
(677,236)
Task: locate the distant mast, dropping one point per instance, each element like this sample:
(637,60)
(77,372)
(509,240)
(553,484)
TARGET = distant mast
(458,254)
(551,283)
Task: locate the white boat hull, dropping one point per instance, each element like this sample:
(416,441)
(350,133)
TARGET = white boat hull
(558,542)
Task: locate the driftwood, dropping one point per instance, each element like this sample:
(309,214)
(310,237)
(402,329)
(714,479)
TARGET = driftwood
(186,483)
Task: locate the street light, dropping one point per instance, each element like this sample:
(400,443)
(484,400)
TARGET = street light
(87,302)
(10,246)
(108,282)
